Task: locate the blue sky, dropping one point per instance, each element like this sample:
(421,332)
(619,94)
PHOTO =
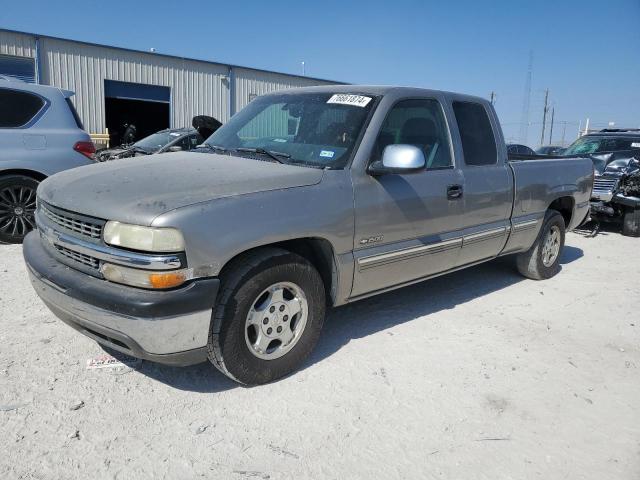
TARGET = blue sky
(587,53)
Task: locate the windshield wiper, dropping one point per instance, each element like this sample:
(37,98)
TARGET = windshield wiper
(270,153)
(211,147)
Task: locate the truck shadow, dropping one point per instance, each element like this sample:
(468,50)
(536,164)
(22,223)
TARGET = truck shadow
(370,316)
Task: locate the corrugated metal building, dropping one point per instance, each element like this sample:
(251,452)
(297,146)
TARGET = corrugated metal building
(106,78)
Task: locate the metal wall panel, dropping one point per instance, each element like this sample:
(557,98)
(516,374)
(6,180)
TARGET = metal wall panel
(23,68)
(197,88)
(256,82)
(17,44)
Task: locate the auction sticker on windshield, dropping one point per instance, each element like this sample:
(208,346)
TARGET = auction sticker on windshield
(348,99)
(327,153)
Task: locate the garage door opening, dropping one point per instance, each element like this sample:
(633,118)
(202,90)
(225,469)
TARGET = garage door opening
(145,107)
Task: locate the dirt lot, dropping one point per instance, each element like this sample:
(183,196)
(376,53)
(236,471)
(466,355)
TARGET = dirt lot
(480,374)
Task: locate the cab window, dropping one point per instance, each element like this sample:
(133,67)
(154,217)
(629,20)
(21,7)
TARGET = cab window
(418,122)
(478,141)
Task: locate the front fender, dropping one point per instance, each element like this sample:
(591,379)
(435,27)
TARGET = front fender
(218,230)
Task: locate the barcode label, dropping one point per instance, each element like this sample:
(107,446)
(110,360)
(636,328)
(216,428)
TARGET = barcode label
(348,99)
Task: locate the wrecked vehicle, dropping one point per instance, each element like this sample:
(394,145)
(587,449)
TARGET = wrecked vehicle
(169,140)
(306,199)
(616,189)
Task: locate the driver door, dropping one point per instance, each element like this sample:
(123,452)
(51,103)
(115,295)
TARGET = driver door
(409,226)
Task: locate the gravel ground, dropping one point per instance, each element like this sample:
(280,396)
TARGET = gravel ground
(477,375)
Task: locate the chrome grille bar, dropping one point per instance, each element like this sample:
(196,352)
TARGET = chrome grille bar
(84,228)
(87,260)
(603,188)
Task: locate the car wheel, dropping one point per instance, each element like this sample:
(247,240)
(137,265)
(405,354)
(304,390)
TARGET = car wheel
(268,316)
(631,222)
(542,260)
(17,207)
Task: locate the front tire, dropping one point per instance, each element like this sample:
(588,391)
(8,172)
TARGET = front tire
(17,207)
(268,316)
(631,222)
(542,260)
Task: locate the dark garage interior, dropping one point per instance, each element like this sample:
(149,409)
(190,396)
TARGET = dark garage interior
(145,107)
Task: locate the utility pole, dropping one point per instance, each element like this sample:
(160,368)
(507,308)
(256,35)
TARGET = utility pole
(493,97)
(553,113)
(564,131)
(544,115)
(303,69)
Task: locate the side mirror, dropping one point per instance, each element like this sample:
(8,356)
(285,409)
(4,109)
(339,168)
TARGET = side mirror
(175,148)
(399,159)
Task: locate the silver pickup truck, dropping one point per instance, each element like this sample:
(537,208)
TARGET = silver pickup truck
(305,199)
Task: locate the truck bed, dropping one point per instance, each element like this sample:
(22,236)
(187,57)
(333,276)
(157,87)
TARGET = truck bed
(541,178)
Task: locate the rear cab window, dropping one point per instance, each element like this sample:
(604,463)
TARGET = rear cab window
(18,108)
(478,140)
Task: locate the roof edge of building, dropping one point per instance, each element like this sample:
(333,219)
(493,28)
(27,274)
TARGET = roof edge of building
(167,55)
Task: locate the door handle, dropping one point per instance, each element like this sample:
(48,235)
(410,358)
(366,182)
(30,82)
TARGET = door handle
(454,192)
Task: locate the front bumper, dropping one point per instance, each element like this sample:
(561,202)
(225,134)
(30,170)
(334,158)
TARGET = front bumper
(611,208)
(170,327)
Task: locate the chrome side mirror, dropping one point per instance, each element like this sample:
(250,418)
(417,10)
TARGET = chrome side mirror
(399,159)
(175,148)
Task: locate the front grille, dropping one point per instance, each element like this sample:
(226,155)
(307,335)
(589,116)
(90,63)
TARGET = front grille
(604,185)
(78,257)
(65,220)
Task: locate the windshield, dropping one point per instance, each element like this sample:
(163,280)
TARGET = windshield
(313,129)
(601,144)
(583,145)
(156,141)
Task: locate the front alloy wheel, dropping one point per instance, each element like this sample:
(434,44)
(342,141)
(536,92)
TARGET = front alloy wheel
(276,320)
(268,316)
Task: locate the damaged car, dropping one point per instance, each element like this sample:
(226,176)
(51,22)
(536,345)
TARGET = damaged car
(169,140)
(616,189)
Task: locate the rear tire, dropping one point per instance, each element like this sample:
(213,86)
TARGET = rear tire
(631,222)
(258,291)
(542,260)
(17,207)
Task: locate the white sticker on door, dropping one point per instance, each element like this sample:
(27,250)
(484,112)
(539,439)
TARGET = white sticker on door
(348,99)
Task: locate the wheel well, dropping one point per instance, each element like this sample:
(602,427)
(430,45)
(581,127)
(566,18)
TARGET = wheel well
(27,173)
(564,205)
(318,252)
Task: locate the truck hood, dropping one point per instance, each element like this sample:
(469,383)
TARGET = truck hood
(614,163)
(137,190)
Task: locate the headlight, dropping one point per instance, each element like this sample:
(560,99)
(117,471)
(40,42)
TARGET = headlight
(145,278)
(146,239)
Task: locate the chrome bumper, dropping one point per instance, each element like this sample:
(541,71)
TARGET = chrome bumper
(169,327)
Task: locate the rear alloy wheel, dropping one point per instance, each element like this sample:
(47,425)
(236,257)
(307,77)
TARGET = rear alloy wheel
(17,207)
(551,246)
(542,260)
